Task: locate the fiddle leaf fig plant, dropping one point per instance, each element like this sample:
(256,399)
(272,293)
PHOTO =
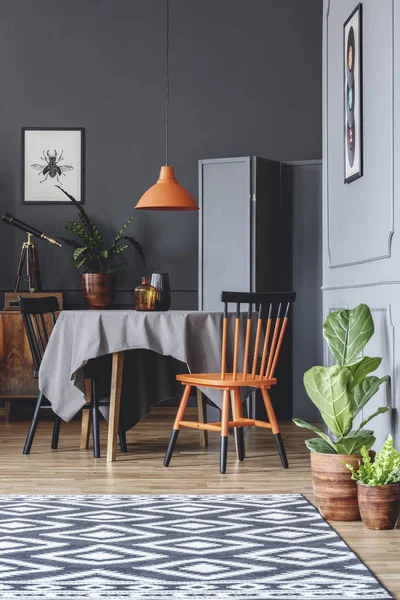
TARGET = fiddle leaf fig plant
(340,392)
(89,250)
(384,470)
(347,333)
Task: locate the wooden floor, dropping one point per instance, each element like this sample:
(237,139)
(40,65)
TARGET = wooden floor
(192,470)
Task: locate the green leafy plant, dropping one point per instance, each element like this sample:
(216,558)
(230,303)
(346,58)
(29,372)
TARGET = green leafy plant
(90,251)
(385,468)
(341,392)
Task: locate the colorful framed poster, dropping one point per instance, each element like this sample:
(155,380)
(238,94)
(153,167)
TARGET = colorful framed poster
(353,123)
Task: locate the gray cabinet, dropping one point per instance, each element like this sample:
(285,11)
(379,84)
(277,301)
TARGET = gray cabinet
(239,227)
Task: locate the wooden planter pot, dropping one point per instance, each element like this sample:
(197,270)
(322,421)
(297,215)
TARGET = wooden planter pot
(379,505)
(98,289)
(334,490)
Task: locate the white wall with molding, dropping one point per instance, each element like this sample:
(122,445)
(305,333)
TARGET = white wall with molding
(361,245)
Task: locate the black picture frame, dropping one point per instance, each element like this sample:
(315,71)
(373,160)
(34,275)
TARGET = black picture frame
(353,96)
(78,160)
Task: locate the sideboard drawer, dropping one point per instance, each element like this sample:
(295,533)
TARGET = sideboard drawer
(11,298)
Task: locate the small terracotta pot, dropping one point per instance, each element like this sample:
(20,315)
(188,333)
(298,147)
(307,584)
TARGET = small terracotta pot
(379,505)
(334,490)
(98,289)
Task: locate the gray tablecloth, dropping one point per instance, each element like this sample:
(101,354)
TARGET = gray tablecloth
(192,337)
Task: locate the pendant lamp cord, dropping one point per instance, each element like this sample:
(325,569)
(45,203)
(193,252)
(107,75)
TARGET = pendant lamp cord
(167,84)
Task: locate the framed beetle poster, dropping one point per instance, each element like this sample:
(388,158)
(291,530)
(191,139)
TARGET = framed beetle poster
(352,95)
(52,156)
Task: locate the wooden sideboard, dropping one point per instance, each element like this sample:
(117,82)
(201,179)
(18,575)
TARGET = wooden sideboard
(16,367)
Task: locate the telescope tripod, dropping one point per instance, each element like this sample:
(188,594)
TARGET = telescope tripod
(30,256)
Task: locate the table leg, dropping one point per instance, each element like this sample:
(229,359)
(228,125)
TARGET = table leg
(202,416)
(115,399)
(7,410)
(85,426)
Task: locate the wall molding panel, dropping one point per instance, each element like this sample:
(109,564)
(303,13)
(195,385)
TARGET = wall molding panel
(366,260)
(383,344)
(326,288)
(360,198)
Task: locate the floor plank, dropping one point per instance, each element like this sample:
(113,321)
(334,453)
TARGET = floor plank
(193,469)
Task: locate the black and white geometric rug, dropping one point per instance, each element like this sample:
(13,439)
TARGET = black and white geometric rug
(175,547)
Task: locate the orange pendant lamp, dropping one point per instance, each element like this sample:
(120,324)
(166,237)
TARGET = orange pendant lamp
(167,194)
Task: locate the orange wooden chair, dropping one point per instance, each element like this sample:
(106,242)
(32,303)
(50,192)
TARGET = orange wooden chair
(260,376)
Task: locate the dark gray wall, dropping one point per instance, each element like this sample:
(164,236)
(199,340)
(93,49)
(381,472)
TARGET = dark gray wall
(301,237)
(245,80)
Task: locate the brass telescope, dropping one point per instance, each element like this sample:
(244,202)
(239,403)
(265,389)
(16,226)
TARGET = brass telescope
(29,253)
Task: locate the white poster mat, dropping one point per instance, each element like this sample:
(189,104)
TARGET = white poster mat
(46,153)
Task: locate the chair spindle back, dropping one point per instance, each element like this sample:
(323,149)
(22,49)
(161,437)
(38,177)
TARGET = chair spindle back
(273,314)
(37,327)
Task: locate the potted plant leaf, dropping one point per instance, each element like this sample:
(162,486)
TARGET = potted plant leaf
(379,486)
(90,252)
(340,392)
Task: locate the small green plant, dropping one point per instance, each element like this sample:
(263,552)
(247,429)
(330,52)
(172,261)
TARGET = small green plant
(89,251)
(385,468)
(341,392)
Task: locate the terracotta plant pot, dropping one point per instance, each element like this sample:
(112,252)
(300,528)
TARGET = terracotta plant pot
(98,289)
(379,505)
(334,490)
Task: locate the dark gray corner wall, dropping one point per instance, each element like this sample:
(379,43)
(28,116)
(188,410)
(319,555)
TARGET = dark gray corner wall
(245,80)
(301,239)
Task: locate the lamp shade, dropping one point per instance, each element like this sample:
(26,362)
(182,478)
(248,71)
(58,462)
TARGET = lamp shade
(167,194)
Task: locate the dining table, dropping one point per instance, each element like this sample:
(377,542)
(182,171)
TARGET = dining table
(80,337)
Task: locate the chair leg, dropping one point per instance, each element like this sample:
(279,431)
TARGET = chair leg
(176,427)
(237,414)
(171,446)
(95,423)
(224,430)
(122,437)
(202,417)
(275,428)
(32,428)
(56,432)
(281,450)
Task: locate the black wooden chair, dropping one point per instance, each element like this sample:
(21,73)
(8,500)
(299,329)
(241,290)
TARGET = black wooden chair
(40,316)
